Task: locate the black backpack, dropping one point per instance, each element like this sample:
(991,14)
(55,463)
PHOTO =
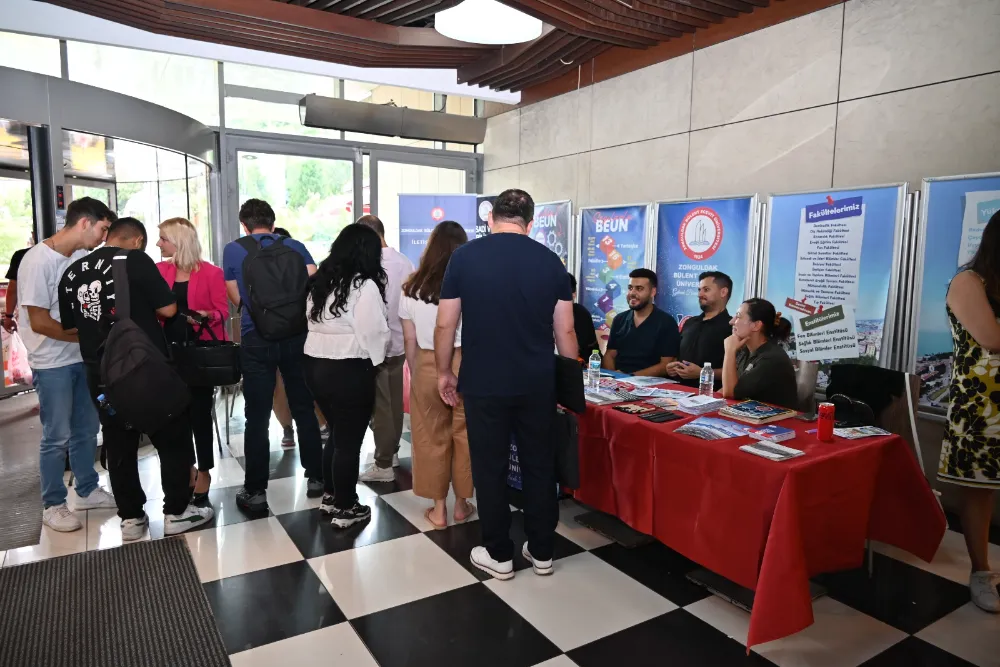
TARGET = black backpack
(275,277)
(140,384)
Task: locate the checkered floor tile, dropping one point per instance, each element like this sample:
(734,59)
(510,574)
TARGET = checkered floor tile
(287,588)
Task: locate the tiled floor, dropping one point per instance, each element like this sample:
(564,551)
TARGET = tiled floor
(287,588)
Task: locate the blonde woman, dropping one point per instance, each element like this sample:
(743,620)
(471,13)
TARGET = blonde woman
(201,293)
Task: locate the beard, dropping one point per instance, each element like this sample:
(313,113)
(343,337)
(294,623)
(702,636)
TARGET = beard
(705,306)
(639,305)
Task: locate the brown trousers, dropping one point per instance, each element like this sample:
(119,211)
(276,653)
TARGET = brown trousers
(281,409)
(440,442)
(387,415)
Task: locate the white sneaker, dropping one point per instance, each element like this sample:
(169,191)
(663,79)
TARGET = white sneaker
(134,529)
(192,517)
(58,517)
(375,474)
(395,460)
(983,586)
(99,499)
(541,567)
(481,558)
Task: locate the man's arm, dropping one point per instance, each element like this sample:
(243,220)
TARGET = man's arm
(656,370)
(42,323)
(310,269)
(608,361)
(233,292)
(449,313)
(565,331)
(10,305)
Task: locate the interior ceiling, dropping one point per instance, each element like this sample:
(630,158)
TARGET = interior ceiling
(400,33)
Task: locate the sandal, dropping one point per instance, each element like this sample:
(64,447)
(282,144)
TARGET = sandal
(472,513)
(427,516)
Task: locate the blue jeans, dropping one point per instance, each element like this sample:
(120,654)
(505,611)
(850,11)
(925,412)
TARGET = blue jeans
(261,360)
(69,423)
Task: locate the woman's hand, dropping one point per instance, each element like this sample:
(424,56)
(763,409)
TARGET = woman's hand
(734,343)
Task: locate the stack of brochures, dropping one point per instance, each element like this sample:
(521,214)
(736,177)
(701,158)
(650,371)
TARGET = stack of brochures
(646,381)
(755,412)
(859,432)
(713,428)
(699,405)
(772,433)
(602,397)
(772,451)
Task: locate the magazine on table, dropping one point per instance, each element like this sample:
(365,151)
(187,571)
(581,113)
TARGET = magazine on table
(713,428)
(699,405)
(772,433)
(772,451)
(755,412)
(858,432)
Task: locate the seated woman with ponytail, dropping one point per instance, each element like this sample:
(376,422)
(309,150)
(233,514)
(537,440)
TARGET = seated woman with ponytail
(755,366)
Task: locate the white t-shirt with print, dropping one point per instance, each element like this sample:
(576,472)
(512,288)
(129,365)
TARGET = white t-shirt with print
(424,317)
(38,285)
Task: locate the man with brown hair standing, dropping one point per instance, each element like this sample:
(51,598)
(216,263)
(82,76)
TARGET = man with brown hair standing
(387,419)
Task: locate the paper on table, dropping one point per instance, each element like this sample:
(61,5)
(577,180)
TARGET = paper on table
(644,381)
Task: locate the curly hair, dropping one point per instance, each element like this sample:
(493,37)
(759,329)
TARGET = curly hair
(355,256)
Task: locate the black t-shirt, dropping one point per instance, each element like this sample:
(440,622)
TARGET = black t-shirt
(766,375)
(509,285)
(87,298)
(586,336)
(704,341)
(15,262)
(642,346)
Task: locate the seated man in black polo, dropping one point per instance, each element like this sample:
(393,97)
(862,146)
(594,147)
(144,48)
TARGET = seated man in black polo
(643,339)
(703,337)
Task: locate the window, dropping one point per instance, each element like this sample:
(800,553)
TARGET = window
(243,114)
(279,79)
(187,85)
(34,54)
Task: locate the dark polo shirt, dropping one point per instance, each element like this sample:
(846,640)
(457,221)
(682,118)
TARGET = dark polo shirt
(766,375)
(642,346)
(703,341)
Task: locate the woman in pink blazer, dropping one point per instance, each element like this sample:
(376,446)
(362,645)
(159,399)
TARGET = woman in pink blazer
(201,293)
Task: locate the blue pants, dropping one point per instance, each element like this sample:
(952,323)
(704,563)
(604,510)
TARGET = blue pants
(69,423)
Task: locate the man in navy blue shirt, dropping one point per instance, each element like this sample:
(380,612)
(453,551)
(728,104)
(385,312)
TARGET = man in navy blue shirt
(513,297)
(261,360)
(643,339)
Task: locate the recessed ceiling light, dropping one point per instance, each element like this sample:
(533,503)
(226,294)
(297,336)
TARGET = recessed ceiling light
(487,22)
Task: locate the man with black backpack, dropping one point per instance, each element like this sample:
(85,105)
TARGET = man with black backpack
(266,277)
(115,297)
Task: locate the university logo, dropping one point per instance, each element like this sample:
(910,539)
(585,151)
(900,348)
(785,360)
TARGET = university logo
(701,233)
(437,213)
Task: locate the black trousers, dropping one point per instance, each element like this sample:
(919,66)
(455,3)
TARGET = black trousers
(200,414)
(344,389)
(173,444)
(491,420)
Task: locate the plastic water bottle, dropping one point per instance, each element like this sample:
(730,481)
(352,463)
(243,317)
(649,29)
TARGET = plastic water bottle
(594,372)
(706,384)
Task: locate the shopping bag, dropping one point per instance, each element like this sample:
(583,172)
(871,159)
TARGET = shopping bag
(16,362)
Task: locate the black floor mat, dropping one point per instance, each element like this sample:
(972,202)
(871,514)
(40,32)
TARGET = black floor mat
(20,495)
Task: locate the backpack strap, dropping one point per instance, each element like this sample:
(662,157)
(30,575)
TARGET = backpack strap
(119,273)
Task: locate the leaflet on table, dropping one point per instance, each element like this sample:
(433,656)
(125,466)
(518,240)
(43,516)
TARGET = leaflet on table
(857,432)
(645,381)
(698,405)
(772,451)
(713,428)
(772,433)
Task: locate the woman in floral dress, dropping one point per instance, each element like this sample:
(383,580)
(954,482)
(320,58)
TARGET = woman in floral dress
(970,457)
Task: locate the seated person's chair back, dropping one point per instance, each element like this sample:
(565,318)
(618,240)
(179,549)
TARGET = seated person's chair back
(806,373)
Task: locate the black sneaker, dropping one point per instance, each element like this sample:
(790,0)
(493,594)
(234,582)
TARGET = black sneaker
(326,505)
(254,502)
(314,488)
(347,518)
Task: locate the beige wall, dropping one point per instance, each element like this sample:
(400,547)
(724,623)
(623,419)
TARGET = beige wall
(862,93)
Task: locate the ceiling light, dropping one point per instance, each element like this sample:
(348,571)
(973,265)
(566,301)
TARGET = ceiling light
(487,22)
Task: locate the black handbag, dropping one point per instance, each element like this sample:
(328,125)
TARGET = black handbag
(207,363)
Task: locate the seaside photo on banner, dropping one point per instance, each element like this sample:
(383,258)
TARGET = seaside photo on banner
(821,247)
(420,214)
(697,236)
(612,245)
(551,227)
(955,211)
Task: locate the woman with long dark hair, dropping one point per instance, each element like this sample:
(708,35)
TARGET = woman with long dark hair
(440,441)
(347,339)
(970,457)
(755,367)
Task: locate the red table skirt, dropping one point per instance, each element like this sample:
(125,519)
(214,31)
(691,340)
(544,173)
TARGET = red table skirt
(765,525)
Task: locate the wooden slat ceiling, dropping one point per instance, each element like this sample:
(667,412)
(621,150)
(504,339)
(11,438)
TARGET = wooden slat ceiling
(400,33)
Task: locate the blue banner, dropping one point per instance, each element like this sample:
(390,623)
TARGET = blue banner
(823,247)
(612,245)
(955,213)
(484,205)
(697,236)
(551,227)
(420,214)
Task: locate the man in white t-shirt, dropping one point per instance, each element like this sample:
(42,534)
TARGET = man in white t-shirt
(387,418)
(69,418)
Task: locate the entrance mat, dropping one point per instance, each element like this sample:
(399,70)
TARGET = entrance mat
(138,605)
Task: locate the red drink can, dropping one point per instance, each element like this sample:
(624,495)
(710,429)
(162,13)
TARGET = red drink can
(825,422)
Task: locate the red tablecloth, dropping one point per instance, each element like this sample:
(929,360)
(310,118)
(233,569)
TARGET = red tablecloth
(765,525)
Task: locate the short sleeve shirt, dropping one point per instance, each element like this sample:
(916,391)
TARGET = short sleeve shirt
(232,269)
(766,375)
(509,285)
(38,285)
(704,341)
(15,261)
(642,346)
(87,298)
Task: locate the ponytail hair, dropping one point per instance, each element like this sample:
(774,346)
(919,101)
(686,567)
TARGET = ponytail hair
(774,326)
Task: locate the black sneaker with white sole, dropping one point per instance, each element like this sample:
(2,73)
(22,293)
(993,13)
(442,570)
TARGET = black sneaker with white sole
(326,505)
(254,502)
(347,518)
(314,488)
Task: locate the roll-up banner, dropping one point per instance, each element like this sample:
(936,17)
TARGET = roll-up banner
(420,213)
(552,227)
(954,213)
(693,236)
(613,242)
(820,248)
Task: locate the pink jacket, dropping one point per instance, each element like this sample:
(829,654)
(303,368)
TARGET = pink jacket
(206,291)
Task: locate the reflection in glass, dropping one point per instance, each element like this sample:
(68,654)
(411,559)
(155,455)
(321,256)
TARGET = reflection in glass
(16,220)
